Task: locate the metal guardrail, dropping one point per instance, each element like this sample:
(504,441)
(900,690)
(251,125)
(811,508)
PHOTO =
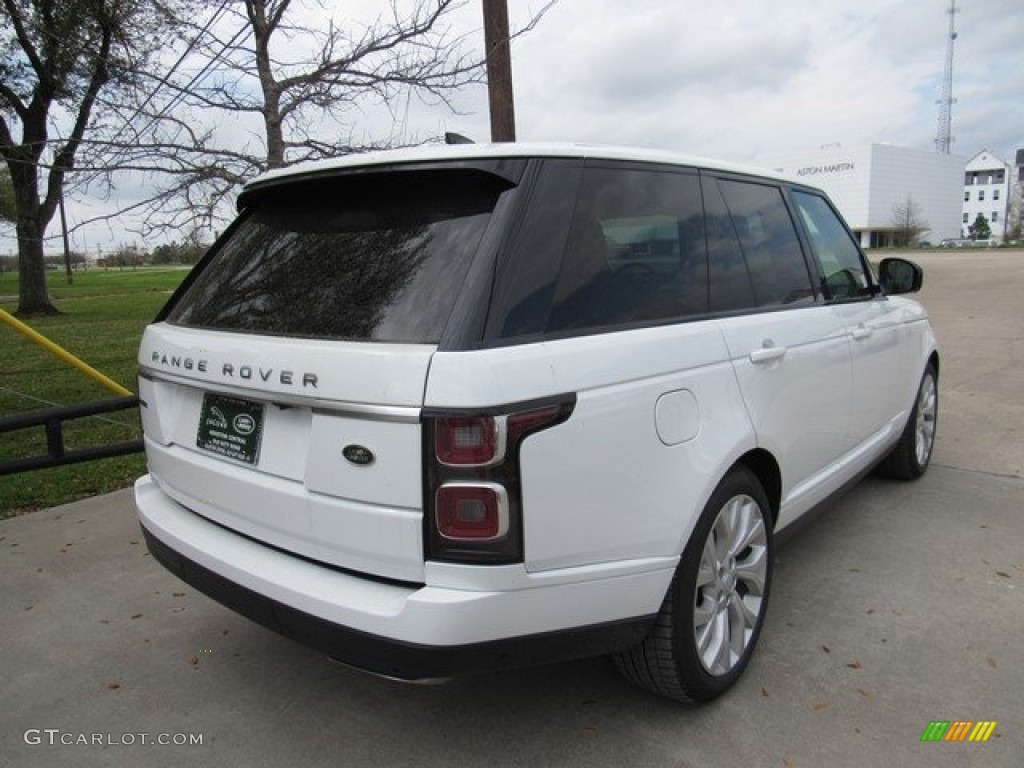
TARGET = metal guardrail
(62,354)
(52,420)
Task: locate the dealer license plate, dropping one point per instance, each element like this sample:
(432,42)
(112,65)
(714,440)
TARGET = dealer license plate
(231,427)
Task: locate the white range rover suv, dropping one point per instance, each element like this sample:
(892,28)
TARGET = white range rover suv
(458,408)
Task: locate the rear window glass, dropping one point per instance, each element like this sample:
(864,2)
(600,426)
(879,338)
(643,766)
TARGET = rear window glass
(379,257)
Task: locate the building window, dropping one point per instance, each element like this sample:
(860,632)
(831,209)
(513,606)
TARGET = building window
(995,194)
(965,218)
(995,216)
(981,194)
(967,195)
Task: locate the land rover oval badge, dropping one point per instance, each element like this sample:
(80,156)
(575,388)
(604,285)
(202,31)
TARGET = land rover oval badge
(358,454)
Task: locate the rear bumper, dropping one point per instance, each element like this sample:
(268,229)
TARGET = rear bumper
(404,631)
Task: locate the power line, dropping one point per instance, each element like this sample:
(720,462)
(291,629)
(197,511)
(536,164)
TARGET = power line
(137,111)
(166,78)
(199,76)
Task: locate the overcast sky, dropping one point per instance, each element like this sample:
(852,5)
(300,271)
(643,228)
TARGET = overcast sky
(732,79)
(738,79)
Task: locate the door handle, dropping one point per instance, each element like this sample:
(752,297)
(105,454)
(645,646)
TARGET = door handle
(767,353)
(861,332)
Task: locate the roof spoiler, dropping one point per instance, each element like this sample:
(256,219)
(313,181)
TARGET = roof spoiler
(457,138)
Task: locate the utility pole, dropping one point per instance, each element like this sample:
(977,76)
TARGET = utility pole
(499,71)
(64,231)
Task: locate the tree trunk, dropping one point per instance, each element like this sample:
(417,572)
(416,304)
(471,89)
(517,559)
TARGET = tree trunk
(33,298)
(262,29)
(272,124)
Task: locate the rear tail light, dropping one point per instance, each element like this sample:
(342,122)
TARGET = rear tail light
(464,441)
(473,498)
(468,512)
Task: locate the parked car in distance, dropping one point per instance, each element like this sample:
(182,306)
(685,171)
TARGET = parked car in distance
(448,409)
(966,242)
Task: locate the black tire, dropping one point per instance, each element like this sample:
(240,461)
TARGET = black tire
(910,457)
(668,662)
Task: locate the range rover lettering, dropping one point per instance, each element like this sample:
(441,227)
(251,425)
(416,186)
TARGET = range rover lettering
(449,409)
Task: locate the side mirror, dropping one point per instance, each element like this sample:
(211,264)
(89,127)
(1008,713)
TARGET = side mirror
(900,276)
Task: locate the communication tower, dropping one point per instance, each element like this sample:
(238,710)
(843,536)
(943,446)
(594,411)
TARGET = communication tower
(944,138)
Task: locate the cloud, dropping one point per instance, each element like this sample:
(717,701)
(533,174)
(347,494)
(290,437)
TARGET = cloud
(730,78)
(733,79)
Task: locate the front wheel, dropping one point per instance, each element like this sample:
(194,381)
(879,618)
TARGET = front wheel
(910,458)
(711,618)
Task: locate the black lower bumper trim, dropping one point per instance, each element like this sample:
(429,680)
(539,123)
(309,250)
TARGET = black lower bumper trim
(395,658)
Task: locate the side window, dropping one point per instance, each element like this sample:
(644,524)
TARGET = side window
(769,244)
(635,253)
(845,276)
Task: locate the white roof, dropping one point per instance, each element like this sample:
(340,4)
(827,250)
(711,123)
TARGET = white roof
(441,152)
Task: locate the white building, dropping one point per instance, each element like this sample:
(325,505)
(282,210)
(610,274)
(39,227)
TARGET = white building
(867,183)
(987,192)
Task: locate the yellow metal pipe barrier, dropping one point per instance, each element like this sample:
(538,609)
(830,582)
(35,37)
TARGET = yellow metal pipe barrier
(63,354)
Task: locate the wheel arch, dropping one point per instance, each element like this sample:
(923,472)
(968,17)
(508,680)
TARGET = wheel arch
(766,469)
(671,660)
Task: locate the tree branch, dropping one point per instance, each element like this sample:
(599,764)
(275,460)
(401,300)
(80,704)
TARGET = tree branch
(27,46)
(15,101)
(6,140)
(64,159)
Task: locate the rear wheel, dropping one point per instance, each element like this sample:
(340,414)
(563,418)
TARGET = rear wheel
(910,458)
(711,618)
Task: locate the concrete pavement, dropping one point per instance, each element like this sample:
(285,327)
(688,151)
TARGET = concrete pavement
(898,605)
(976,299)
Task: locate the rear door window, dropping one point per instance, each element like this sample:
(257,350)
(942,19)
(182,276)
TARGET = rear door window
(375,257)
(771,252)
(729,282)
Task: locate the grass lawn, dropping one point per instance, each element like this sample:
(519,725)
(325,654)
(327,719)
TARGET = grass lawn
(104,314)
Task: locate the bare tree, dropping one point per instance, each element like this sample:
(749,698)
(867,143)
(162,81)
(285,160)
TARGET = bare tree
(58,56)
(907,224)
(1015,215)
(299,87)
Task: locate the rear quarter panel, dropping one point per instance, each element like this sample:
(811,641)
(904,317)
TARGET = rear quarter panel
(622,478)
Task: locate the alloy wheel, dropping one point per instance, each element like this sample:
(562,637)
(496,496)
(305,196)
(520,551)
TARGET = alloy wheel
(728,601)
(927,406)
